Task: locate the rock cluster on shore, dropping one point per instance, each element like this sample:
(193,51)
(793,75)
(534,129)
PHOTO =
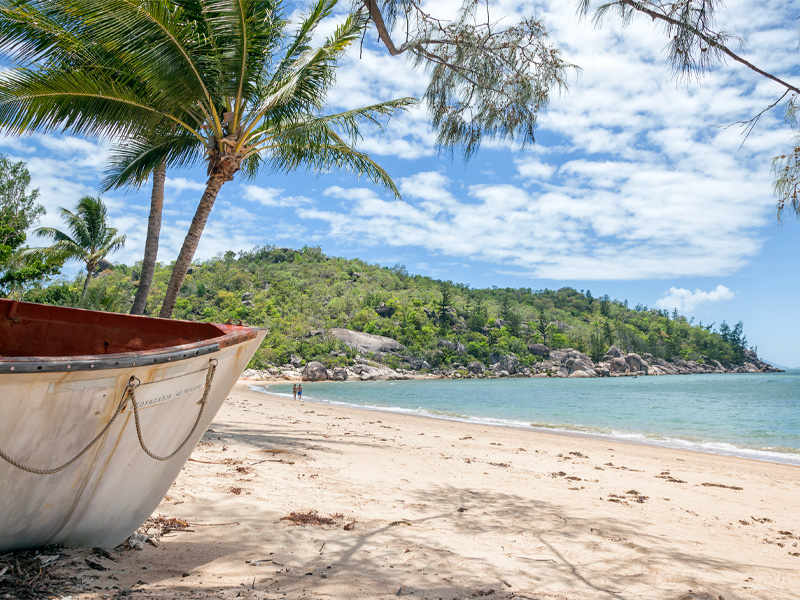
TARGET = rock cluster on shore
(565,362)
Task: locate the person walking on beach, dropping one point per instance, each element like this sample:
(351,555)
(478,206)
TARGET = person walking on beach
(294,391)
(300,392)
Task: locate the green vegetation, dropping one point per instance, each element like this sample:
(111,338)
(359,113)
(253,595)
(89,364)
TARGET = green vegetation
(18,212)
(90,238)
(298,293)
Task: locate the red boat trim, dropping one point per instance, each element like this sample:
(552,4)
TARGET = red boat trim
(63,332)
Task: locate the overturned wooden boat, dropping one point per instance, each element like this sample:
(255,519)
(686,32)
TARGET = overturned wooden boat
(98,414)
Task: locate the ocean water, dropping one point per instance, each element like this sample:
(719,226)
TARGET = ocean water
(749,415)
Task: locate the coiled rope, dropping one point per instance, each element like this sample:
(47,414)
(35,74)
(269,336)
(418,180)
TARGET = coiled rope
(212,368)
(128,394)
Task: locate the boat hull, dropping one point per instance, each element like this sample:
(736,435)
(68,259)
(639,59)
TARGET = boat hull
(46,418)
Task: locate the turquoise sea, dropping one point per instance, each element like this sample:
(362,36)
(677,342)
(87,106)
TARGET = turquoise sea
(749,415)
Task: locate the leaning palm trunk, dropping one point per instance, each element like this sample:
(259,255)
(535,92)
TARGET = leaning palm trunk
(151,244)
(190,243)
(86,283)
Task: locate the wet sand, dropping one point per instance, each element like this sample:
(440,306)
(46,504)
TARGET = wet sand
(389,506)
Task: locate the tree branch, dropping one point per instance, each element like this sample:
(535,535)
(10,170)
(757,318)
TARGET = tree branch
(383,33)
(638,6)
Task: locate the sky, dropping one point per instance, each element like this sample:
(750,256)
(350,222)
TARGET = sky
(638,186)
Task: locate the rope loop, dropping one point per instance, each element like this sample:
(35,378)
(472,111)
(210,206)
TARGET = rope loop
(128,394)
(212,368)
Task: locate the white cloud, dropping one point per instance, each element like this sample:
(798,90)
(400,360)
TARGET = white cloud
(181,184)
(685,300)
(272,197)
(602,220)
(530,168)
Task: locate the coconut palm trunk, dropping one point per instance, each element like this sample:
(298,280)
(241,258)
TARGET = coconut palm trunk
(151,243)
(190,243)
(86,283)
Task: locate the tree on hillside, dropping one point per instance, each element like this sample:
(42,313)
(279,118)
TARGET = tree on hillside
(444,306)
(543,326)
(90,238)
(18,212)
(219,82)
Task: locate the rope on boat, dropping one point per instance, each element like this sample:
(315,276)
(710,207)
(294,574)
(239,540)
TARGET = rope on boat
(127,394)
(125,397)
(212,368)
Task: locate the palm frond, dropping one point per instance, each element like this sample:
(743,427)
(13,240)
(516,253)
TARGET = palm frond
(132,161)
(302,38)
(30,33)
(348,121)
(63,98)
(318,148)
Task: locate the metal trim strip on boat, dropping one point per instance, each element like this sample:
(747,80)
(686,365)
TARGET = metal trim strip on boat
(49,364)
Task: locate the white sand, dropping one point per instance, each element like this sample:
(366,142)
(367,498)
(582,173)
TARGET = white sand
(438,509)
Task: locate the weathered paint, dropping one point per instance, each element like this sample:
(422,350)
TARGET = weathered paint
(47,417)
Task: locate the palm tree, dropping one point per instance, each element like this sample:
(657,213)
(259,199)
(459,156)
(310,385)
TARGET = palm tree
(38,36)
(217,81)
(90,239)
(151,241)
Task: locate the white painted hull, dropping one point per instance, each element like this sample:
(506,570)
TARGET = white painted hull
(47,418)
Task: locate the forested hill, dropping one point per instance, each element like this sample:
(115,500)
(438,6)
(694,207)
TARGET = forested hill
(301,294)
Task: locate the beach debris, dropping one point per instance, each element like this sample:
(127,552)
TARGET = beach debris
(500,464)
(462,509)
(312,517)
(104,553)
(161,525)
(578,455)
(405,590)
(720,485)
(235,490)
(393,523)
(666,475)
(763,520)
(95,565)
(558,474)
(27,575)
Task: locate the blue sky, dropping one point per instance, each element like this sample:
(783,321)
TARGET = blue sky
(637,187)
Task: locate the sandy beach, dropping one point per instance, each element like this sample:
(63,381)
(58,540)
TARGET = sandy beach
(284,499)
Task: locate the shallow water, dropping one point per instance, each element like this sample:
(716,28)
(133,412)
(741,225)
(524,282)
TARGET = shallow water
(748,415)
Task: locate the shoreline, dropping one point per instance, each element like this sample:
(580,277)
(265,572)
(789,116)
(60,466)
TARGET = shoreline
(675,443)
(283,499)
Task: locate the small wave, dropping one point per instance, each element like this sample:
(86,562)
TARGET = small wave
(770,454)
